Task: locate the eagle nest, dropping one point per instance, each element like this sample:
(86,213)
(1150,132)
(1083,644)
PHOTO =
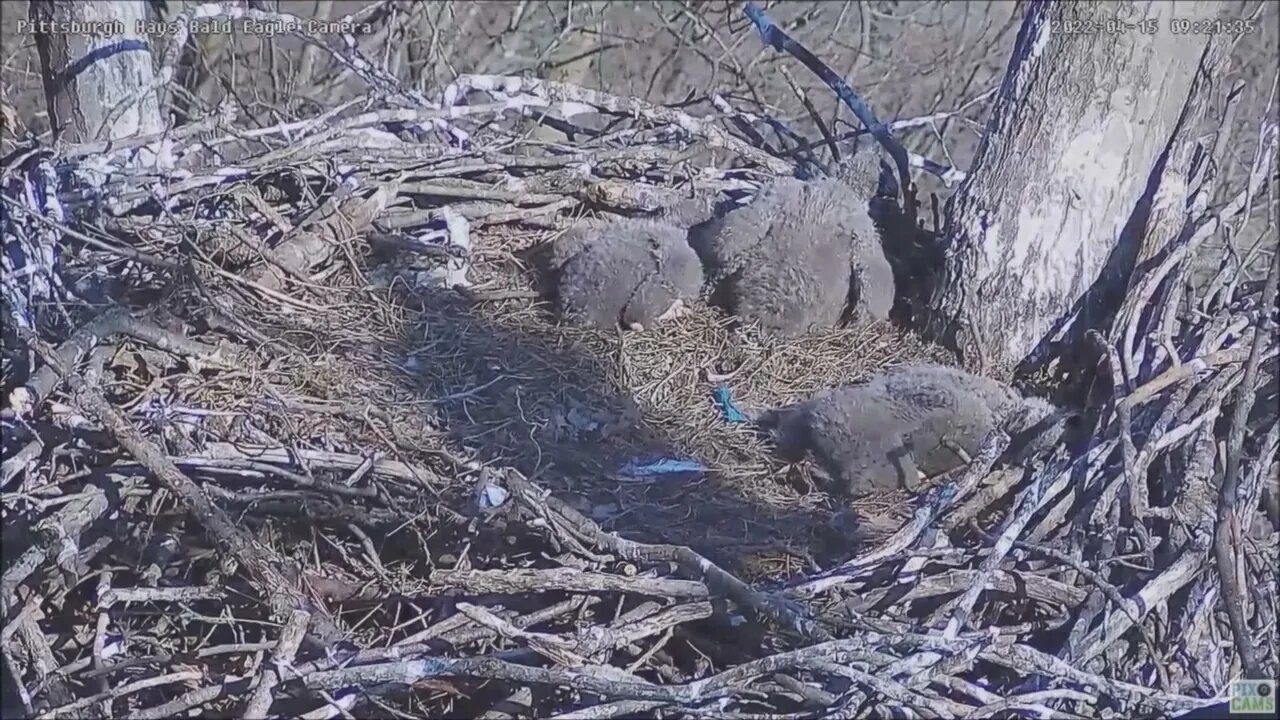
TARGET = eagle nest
(297,431)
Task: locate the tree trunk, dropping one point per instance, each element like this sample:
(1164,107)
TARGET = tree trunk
(1083,114)
(98,76)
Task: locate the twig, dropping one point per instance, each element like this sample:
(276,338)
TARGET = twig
(15,678)
(316,458)
(813,113)
(43,662)
(1040,491)
(1137,487)
(1188,370)
(231,685)
(1174,578)
(100,642)
(1107,589)
(93,242)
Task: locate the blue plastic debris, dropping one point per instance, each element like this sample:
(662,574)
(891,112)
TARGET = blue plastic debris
(724,400)
(663,466)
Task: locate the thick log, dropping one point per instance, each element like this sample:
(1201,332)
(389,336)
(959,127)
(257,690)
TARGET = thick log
(1087,106)
(98,76)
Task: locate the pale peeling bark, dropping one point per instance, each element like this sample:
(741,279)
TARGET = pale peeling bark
(98,75)
(1077,128)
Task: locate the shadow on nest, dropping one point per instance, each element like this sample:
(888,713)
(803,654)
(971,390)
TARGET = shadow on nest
(571,406)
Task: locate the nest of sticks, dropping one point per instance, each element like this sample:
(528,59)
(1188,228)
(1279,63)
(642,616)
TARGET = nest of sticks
(293,472)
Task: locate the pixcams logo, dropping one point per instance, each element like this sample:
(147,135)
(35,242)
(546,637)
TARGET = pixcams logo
(1253,696)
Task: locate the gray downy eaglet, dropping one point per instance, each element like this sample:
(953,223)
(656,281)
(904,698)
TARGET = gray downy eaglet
(802,253)
(879,434)
(633,272)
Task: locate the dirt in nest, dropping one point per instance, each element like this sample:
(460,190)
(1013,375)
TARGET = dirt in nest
(570,407)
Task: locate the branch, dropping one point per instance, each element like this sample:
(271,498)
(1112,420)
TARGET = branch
(117,321)
(282,657)
(773,36)
(56,538)
(1228,533)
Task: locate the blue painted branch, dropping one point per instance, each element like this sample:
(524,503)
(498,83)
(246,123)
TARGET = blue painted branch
(775,37)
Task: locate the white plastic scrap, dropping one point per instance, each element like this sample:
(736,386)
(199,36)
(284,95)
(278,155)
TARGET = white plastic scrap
(454,272)
(493,497)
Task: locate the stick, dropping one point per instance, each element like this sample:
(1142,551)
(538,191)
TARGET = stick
(813,113)
(1228,536)
(281,657)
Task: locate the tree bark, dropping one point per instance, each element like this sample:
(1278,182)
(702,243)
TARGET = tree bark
(1083,114)
(98,76)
